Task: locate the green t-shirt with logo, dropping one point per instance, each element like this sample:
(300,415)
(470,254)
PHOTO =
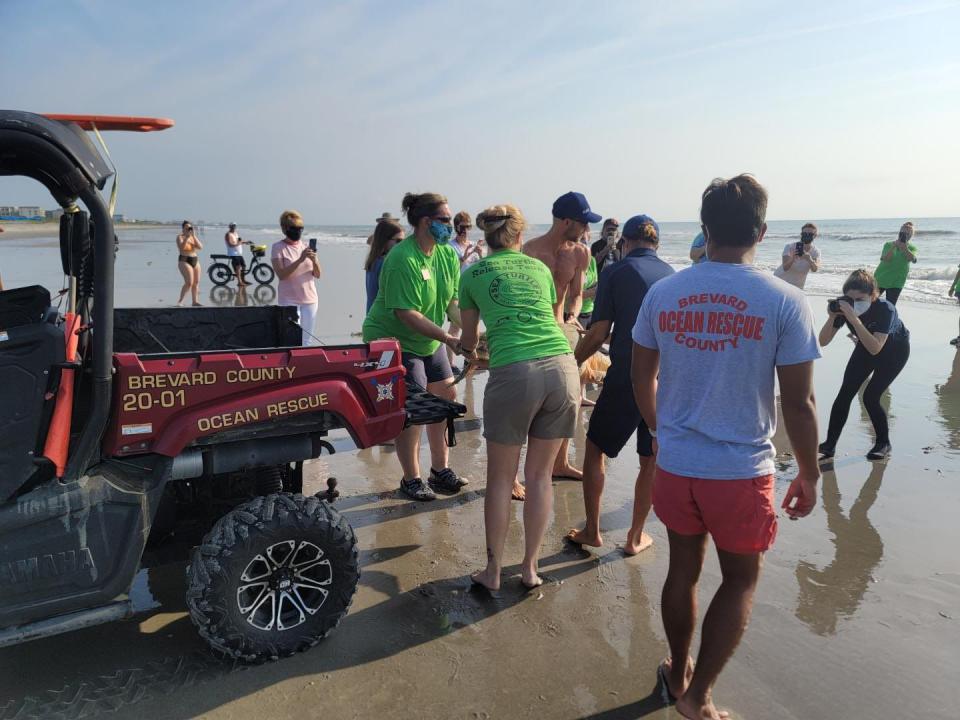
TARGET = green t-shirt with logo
(515,295)
(893,273)
(413,280)
(590,281)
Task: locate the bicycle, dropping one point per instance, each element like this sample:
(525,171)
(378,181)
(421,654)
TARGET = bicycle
(220,272)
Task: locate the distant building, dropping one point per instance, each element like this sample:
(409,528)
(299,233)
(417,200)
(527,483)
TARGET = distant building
(118,218)
(53,214)
(30,211)
(8,210)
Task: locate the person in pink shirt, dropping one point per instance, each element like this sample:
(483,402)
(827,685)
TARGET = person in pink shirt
(296,267)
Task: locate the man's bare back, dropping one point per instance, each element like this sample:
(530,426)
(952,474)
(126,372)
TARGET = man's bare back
(568,263)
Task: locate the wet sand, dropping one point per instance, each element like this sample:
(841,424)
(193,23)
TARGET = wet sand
(13,230)
(857,614)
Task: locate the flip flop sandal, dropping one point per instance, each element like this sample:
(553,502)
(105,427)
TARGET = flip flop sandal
(665,695)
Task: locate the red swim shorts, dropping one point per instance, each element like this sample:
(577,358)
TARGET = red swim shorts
(739,514)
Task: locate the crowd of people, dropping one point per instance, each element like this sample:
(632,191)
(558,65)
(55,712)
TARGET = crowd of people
(694,356)
(680,345)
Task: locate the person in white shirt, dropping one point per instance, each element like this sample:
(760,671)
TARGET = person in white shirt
(234,245)
(800,258)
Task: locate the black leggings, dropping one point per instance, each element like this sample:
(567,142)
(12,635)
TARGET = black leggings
(885,366)
(893,294)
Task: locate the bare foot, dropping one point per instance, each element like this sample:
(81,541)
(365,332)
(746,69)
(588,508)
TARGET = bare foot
(486,579)
(567,472)
(634,546)
(699,711)
(582,537)
(519,492)
(530,581)
(587,402)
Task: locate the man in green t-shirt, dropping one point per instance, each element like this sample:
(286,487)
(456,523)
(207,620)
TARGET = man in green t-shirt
(418,286)
(955,292)
(895,260)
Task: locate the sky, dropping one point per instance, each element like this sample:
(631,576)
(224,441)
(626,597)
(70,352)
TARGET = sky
(841,109)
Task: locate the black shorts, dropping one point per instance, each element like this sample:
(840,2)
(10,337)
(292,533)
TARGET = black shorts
(237,261)
(616,418)
(191,260)
(424,369)
(893,294)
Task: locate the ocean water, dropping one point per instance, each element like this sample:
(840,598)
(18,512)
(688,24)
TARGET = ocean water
(147,275)
(845,245)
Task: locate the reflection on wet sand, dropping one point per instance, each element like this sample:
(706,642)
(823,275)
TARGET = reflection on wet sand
(837,590)
(227,296)
(948,402)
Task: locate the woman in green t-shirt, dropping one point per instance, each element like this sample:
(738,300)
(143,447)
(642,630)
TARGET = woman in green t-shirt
(418,288)
(533,390)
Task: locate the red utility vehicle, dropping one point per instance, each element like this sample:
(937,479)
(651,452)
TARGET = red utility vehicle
(133,435)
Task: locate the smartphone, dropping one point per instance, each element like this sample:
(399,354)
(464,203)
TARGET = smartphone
(313,244)
(799,249)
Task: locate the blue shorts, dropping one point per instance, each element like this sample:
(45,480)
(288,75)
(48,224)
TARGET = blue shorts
(424,369)
(616,417)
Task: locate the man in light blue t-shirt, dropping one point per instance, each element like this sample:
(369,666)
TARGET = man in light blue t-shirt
(717,334)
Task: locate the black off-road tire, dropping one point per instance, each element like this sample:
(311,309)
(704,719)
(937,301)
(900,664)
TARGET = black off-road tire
(237,547)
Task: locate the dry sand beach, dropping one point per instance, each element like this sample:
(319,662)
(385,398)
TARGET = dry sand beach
(857,614)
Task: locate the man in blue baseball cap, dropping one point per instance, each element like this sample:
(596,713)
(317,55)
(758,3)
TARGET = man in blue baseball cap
(616,418)
(560,250)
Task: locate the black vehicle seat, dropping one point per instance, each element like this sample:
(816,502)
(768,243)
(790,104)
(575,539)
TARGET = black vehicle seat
(31,352)
(220,257)
(22,306)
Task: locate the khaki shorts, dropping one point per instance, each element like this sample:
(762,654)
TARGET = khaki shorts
(535,398)
(571,333)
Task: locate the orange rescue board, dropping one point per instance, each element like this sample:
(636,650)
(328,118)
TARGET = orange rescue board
(114,122)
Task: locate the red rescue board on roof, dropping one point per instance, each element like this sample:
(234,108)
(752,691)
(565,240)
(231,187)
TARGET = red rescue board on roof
(114,122)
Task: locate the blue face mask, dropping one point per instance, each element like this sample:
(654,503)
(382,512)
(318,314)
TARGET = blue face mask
(441,232)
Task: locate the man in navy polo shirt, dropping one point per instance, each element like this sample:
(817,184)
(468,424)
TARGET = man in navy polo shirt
(616,417)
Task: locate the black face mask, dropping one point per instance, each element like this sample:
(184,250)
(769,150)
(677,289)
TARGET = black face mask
(294,233)
(806,238)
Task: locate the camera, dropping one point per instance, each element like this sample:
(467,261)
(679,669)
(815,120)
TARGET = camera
(834,305)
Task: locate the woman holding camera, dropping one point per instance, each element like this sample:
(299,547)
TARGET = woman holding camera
(188,262)
(297,268)
(882,349)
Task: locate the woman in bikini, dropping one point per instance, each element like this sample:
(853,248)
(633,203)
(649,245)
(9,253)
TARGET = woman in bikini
(189,263)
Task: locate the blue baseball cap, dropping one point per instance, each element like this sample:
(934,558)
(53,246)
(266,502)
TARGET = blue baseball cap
(633,229)
(574,206)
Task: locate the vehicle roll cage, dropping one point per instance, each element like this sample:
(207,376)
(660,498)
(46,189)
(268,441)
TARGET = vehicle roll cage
(59,155)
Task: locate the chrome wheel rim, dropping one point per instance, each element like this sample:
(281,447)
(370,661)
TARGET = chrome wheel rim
(285,585)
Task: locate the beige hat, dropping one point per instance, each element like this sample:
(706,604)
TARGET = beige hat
(386,216)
